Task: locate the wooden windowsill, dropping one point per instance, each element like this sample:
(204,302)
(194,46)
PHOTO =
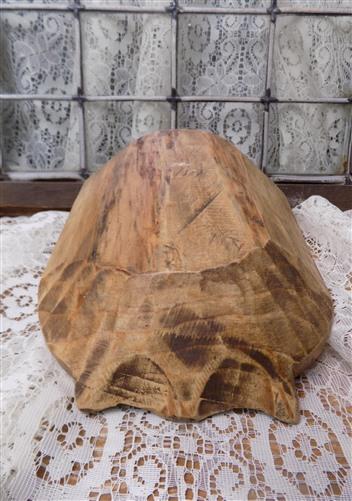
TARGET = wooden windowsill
(28,197)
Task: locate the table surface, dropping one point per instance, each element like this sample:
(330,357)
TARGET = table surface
(53,451)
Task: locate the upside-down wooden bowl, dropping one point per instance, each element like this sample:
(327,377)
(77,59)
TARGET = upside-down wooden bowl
(182,284)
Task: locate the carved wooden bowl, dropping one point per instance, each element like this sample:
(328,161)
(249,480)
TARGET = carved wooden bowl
(182,284)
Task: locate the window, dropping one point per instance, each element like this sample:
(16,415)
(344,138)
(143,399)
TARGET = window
(80,80)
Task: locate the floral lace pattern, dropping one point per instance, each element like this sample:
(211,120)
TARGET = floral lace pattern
(312,57)
(51,450)
(222,55)
(136,60)
(308,138)
(310,61)
(242,124)
(111,126)
(38,52)
(217,55)
(326,4)
(227,3)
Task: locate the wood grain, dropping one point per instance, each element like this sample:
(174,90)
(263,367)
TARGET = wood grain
(182,284)
(29,197)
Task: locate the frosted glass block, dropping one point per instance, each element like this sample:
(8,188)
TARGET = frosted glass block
(226,3)
(240,123)
(316,4)
(308,138)
(40,136)
(127,54)
(38,53)
(112,125)
(20,2)
(125,3)
(312,57)
(222,55)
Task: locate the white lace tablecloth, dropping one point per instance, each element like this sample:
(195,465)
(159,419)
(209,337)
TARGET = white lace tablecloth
(52,451)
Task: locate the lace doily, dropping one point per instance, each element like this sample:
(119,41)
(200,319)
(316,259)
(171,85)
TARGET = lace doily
(52,451)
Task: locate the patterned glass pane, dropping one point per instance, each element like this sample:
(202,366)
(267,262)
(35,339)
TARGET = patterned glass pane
(126,3)
(316,4)
(240,123)
(37,53)
(126,54)
(56,2)
(313,57)
(222,55)
(218,55)
(112,125)
(226,3)
(41,136)
(308,138)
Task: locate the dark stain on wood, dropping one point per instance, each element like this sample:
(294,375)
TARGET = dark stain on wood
(208,407)
(92,363)
(191,351)
(218,388)
(185,391)
(187,323)
(71,269)
(248,367)
(139,375)
(230,363)
(178,315)
(263,361)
